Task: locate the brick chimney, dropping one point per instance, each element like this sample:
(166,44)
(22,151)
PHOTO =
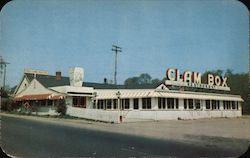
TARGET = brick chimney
(58,75)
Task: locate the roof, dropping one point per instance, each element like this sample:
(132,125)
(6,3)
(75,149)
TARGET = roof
(50,81)
(112,86)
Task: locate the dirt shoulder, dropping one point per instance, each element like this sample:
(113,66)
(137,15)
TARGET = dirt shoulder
(226,132)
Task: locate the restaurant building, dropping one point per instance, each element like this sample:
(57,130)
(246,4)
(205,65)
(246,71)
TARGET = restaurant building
(180,96)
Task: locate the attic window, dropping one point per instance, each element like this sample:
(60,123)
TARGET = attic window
(162,87)
(25,85)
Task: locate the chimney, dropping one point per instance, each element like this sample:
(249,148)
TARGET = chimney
(58,75)
(105,81)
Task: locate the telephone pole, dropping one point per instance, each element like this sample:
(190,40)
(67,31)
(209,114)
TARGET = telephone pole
(116,49)
(3,65)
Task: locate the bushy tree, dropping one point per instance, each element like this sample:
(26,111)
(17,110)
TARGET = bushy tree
(61,107)
(132,81)
(144,78)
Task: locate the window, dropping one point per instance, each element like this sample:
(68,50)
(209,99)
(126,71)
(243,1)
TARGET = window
(94,104)
(136,103)
(50,102)
(125,103)
(79,102)
(213,104)
(233,105)
(115,104)
(56,102)
(237,105)
(82,102)
(161,103)
(229,105)
(74,101)
(207,104)
(146,103)
(197,104)
(190,103)
(108,103)
(177,103)
(43,102)
(100,104)
(226,105)
(218,104)
(185,103)
(170,103)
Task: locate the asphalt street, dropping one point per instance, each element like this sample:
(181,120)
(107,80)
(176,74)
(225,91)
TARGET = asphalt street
(27,138)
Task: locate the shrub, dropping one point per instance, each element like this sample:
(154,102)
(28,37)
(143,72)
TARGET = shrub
(8,104)
(61,107)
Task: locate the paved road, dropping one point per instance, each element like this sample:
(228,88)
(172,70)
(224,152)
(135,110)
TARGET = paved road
(26,138)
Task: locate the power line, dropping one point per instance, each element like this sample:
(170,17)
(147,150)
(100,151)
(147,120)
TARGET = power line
(3,65)
(116,49)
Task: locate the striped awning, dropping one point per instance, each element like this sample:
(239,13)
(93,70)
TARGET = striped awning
(166,94)
(198,96)
(39,97)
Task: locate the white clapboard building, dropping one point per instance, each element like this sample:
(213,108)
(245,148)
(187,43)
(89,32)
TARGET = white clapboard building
(181,96)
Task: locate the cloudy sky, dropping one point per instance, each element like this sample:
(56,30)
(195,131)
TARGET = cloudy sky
(154,35)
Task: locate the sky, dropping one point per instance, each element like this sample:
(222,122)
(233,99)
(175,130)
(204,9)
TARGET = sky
(55,35)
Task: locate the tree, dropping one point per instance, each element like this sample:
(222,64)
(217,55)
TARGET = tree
(229,72)
(155,81)
(132,81)
(145,78)
(61,107)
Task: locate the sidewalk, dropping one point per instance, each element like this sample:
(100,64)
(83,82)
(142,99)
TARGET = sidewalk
(226,132)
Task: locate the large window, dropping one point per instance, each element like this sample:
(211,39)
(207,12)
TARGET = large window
(197,104)
(161,103)
(50,102)
(226,105)
(115,103)
(190,103)
(233,105)
(185,103)
(108,102)
(170,103)
(207,104)
(79,102)
(136,103)
(100,104)
(213,104)
(125,103)
(177,103)
(218,104)
(146,103)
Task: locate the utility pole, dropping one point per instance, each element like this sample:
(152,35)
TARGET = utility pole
(116,49)
(3,65)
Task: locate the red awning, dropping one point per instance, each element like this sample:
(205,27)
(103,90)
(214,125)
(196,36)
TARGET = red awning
(39,97)
(56,97)
(33,97)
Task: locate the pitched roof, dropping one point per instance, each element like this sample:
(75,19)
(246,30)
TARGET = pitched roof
(50,81)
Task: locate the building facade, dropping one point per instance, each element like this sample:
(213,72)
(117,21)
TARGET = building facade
(176,98)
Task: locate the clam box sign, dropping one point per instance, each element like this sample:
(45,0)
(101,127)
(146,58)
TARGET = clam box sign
(193,79)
